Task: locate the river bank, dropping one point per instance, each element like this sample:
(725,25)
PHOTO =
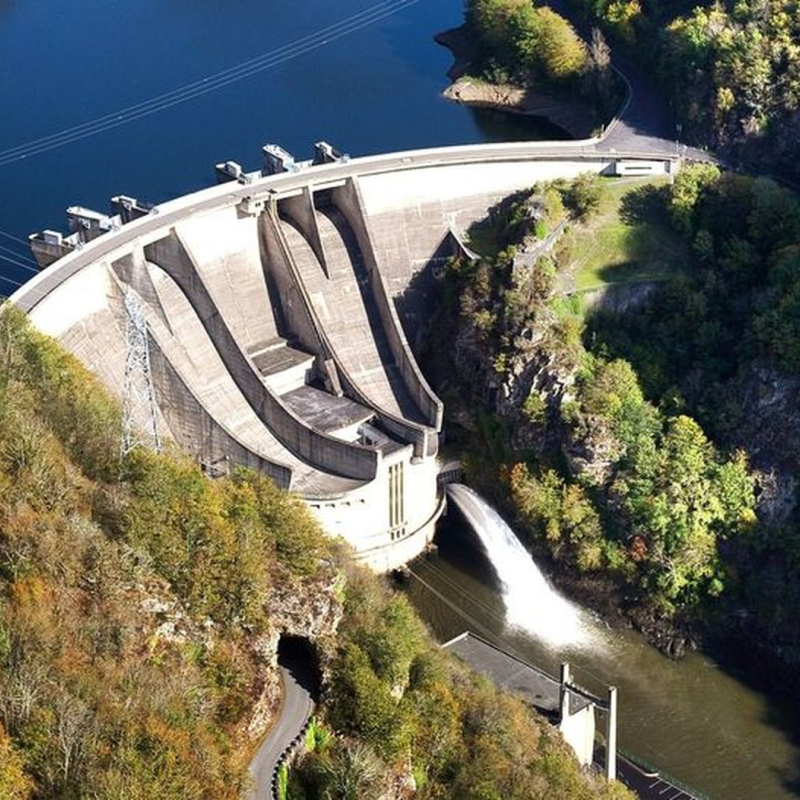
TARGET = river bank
(574,117)
(694,717)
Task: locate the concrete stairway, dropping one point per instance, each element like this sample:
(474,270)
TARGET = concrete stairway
(345,306)
(282,366)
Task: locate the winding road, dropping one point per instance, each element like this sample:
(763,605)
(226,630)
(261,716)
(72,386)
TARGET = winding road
(299,690)
(646,122)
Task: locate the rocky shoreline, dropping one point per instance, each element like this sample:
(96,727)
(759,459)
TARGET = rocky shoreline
(574,118)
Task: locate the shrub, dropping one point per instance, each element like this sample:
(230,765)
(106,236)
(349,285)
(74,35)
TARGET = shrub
(584,194)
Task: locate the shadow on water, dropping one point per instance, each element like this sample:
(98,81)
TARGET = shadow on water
(782,712)
(499,126)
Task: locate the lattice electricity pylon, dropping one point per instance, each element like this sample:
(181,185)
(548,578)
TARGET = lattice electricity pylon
(139,426)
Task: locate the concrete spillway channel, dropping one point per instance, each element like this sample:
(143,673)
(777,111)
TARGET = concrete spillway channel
(423,437)
(323,452)
(334,267)
(203,406)
(346,308)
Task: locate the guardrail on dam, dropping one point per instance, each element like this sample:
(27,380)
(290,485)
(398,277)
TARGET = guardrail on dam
(279,306)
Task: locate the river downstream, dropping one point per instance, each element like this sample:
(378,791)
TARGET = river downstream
(690,718)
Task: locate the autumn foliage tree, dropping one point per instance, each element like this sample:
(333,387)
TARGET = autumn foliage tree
(531,43)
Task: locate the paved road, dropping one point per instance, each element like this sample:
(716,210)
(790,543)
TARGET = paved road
(647,122)
(299,689)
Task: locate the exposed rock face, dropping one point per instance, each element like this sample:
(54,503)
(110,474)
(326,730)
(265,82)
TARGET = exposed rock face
(776,495)
(769,430)
(536,366)
(307,609)
(473,361)
(592,450)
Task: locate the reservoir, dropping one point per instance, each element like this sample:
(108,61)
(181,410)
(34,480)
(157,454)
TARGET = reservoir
(375,89)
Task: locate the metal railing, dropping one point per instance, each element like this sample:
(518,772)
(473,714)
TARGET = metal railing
(652,769)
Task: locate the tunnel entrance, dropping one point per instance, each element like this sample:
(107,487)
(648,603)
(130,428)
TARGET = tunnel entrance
(298,656)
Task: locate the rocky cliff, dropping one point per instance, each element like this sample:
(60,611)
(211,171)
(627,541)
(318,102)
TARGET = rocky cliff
(309,609)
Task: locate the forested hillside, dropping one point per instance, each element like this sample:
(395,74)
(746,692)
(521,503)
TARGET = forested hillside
(133,597)
(131,593)
(532,46)
(730,69)
(652,443)
(721,343)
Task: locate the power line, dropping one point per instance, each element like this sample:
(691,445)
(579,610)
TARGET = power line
(229,71)
(210,83)
(18,264)
(492,613)
(484,607)
(8,280)
(478,626)
(18,255)
(15,238)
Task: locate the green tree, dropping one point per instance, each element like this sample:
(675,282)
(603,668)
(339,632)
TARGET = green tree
(563,53)
(687,191)
(584,194)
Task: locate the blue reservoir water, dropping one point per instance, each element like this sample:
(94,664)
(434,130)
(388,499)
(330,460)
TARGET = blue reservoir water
(62,64)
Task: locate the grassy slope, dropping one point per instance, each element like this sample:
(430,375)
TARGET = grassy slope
(614,248)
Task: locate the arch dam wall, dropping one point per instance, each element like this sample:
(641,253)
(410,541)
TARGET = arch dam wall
(279,311)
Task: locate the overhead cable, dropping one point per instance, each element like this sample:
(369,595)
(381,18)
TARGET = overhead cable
(161,102)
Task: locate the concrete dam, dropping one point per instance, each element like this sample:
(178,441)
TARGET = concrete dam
(282,309)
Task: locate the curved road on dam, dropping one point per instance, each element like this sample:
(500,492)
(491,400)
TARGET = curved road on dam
(297,706)
(261,189)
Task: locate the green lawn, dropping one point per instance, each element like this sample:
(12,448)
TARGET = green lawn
(627,241)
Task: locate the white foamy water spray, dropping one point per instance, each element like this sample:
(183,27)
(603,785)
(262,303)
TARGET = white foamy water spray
(532,605)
